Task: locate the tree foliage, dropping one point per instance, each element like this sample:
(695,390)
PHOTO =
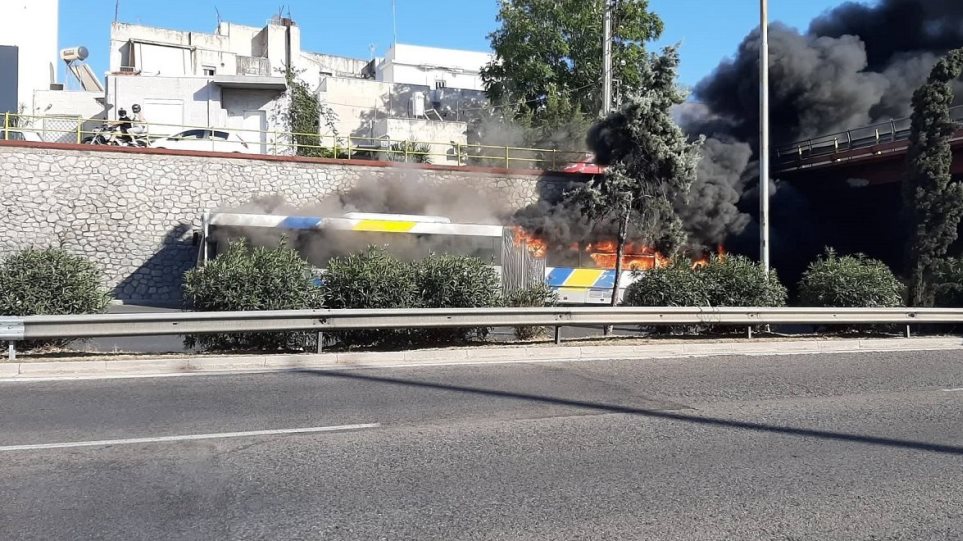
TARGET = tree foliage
(652,162)
(948,283)
(304,116)
(934,202)
(849,281)
(545,47)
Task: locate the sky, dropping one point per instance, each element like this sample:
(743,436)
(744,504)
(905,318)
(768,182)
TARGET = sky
(708,30)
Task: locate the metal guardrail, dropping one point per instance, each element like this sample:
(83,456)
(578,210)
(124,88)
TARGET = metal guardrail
(863,137)
(149,324)
(77,130)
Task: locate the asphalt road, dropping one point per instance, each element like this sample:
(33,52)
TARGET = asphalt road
(855,446)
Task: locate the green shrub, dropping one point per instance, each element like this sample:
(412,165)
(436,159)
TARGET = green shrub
(853,281)
(370,279)
(735,280)
(532,297)
(247,278)
(50,282)
(948,283)
(409,152)
(453,281)
(675,284)
(730,280)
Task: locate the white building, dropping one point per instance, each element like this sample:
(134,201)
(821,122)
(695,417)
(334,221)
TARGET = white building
(28,50)
(236,78)
(433,67)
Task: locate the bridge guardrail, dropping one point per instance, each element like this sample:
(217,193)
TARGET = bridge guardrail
(148,324)
(863,137)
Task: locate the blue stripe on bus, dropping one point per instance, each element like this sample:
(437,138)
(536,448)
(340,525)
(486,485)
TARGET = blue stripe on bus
(300,222)
(557,276)
(607,280)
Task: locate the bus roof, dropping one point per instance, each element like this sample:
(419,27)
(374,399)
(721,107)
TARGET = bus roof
(378,225)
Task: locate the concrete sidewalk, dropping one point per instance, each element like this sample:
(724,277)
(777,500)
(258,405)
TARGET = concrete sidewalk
(145,366)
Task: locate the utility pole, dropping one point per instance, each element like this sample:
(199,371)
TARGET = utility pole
(607,58)
(764,134)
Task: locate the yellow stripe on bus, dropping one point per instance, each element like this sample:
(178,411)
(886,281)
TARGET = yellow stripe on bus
(583,277)
(384,226)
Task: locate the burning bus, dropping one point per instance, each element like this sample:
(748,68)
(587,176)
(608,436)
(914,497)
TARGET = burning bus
(580,275)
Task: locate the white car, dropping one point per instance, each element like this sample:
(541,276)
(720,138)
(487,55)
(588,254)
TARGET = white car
(17,134)
(205,140)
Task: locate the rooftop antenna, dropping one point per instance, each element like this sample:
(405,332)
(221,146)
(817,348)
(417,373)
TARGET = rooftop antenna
(116,10)
(218,13)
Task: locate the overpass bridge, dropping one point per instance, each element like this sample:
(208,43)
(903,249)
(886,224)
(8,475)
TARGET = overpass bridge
(875,153)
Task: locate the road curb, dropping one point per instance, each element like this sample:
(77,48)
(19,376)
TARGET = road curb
(160,366)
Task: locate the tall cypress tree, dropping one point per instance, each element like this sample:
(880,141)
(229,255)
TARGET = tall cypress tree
(651,163)
(932,200)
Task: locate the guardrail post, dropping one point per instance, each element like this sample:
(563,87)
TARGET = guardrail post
(554,161)
(458,153)
(908,333)
(506,157)
(320,341)
(6,125)
(749,332)
(79,128)
(12,351)
(558,334)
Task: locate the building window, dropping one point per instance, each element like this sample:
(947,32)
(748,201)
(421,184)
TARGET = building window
(440,83)
(209,71)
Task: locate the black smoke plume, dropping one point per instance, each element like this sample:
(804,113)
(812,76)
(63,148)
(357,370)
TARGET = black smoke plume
(856,65)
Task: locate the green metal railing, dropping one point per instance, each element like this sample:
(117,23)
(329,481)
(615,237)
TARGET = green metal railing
(74,129)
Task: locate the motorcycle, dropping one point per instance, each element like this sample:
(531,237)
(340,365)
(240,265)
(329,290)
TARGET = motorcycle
(113,135)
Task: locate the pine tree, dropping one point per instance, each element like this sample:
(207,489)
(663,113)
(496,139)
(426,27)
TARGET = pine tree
(652,163)
(933,201)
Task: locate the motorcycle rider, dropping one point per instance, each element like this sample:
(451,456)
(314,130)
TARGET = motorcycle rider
(124,124)
(130,127)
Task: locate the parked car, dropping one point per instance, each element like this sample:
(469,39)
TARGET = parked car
(18,134)
(205,140)
(586,167)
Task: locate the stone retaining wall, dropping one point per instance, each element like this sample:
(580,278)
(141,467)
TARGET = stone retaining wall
(133,212)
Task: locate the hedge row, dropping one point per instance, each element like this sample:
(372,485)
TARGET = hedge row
(52,281)
(248,278)
(734,280)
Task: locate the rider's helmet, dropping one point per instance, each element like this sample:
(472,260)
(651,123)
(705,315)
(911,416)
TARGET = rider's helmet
(136,108)
(122,113)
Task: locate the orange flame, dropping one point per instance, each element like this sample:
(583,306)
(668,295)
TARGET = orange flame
(704,260)
(634,257)
(535,245)
(604,253)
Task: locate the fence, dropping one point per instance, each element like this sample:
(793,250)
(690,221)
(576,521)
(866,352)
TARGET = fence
(65,129)
(150,324)
(864,137)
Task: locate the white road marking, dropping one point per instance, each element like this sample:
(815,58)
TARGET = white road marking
(953,390)
(188,437)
